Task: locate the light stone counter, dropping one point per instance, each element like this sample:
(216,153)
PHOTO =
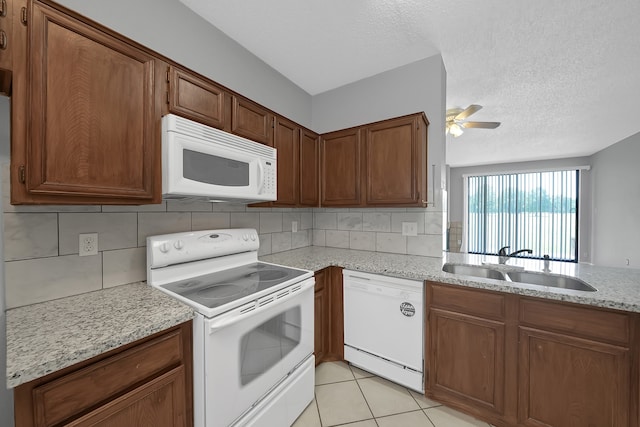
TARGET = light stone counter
(46,337)
(618,288)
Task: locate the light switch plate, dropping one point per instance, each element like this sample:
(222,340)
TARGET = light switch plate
(409,228)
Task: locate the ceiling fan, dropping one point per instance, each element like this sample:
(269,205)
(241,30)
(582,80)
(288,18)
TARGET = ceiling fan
(455,120)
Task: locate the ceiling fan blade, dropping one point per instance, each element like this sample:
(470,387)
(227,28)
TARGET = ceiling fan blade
(480,125)
(468,111)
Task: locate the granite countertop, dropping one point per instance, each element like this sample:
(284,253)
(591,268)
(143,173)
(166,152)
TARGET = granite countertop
(49,336)
(617,288)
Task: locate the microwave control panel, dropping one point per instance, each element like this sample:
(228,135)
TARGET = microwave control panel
(270,183)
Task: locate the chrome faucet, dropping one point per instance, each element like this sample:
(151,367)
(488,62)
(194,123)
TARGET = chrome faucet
(504,257)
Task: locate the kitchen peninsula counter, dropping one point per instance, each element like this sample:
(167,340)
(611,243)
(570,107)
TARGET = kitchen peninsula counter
(617,288)
(49,336)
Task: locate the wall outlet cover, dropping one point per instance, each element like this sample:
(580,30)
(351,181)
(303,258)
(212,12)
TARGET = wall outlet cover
(88,244)
(409,228)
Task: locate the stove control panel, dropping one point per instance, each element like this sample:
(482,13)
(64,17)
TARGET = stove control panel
(178,248)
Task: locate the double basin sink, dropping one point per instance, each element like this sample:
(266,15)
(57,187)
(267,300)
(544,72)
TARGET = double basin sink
(527,277)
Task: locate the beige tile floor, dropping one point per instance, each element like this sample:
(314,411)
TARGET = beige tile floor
(350,397)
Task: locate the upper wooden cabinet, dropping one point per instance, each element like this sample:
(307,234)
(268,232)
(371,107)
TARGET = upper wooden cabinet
(380,164)
(251,120)
(286,140)
(340,158)
(309,170)
(195,98)
(395,159)
(6,45)
(89,130)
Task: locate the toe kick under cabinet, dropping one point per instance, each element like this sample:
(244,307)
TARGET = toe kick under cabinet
(144,384)
(514,360)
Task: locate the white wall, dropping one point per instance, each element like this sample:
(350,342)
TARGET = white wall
(416,87)
(171,29)
(456,191)
(616,204)
(6,396)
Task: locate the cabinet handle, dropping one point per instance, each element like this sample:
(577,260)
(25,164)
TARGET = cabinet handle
(3,39)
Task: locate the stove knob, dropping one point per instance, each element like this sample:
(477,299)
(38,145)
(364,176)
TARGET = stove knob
(179,244)
(164,248)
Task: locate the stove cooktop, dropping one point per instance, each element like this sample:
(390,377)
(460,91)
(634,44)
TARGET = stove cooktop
(224,287)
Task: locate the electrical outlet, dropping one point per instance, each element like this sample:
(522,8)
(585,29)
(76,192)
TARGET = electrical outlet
(409,228)
(294,226)
(88,244)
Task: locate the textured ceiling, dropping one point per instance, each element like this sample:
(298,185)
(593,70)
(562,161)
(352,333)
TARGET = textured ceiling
(562,77)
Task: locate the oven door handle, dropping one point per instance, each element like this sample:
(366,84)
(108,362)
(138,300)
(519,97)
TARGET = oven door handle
(265,303)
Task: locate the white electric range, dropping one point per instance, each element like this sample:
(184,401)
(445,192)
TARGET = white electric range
(253,330)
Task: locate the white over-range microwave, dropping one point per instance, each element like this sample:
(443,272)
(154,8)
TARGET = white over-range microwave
(204,163)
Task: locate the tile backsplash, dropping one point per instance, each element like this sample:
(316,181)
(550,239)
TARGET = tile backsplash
(41,242)
(379,230)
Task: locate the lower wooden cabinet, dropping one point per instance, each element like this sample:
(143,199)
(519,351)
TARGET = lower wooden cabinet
(328,316)
(146,383)
(521,361)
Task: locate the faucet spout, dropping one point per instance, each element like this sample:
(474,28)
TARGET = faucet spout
(504,257)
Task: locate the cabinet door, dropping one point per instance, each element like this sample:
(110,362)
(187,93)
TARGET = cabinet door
(158,403)
(467,359)
(286,140)
(195,98)
(92,108)
(568,381)
(341,178)
(309,173)
(321,315)
(251,121)
(392,162)
(6,45)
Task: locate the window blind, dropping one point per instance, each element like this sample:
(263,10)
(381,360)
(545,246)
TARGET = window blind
(534,210)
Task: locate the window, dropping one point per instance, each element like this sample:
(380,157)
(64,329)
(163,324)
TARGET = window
(537,211)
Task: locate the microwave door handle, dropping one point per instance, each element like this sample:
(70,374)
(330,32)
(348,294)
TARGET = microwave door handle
(260,176)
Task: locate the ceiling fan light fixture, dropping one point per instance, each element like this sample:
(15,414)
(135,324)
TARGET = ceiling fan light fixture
(455,130)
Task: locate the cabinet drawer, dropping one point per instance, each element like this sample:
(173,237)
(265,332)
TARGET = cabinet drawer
(470,301)
(586,322)
(64,397)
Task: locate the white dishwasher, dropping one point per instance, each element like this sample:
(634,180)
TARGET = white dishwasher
(384,326)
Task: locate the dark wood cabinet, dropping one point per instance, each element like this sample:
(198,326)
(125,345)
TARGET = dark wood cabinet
(321,315)
(286,140)
(340,171)
(195,98)
(512,360)
(89,129)
(251,120)
(146,383)
(379,164)
(6,45)
(309,169)
(328,316)
(395,162)
(466,350)
(574,366)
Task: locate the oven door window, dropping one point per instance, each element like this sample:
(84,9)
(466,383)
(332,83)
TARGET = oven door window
(268,343)
(216,170)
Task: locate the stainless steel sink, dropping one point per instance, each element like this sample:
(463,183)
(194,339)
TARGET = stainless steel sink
(474,270)
(552,280)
